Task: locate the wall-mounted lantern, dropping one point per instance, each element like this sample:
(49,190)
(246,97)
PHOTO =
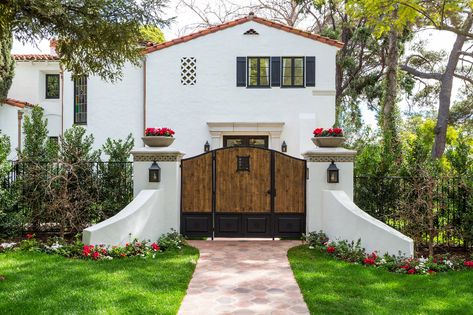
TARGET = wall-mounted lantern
(154,173)
(284,147)
(332,173)
(206,146)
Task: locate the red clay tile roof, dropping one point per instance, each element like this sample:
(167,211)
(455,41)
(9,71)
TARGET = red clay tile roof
(35,57)
(17,103)
(245,19)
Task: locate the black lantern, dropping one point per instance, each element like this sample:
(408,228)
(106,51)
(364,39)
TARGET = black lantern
(332,174)
(207,146)
(284,147)
(154,173)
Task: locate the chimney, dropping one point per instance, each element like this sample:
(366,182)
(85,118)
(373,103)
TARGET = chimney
(52,46)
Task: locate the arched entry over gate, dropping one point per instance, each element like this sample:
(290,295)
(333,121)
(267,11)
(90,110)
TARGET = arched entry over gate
(243,192)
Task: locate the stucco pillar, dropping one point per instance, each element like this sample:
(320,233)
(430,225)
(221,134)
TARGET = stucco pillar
(168,159)
(318,160)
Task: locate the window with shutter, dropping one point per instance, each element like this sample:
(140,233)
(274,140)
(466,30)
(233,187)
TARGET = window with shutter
(258,71)
(292,72)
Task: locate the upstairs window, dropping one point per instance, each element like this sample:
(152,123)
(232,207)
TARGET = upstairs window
(80,99)
(52,86)
(293,71)
(258,72)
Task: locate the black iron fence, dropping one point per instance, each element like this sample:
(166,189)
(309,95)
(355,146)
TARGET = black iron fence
(447,207)
(28,190)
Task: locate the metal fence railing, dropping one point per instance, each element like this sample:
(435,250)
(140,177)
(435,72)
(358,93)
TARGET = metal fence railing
(387,199)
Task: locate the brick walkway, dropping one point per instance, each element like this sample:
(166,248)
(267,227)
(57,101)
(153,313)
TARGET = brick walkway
(243,277)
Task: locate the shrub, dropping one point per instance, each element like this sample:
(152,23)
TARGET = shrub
(171,240)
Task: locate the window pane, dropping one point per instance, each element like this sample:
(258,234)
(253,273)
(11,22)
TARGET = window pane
(52,85)
(234,142)
(260,143)
(253,71)
(264,71)
(298,81)
(80,99)
(298,62)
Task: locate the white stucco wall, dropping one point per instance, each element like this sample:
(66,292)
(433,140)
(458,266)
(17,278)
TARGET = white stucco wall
(216,98)
(29,85)
(113,109)
(343,220)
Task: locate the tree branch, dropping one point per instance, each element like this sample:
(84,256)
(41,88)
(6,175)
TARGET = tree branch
(464,78)
(420,74)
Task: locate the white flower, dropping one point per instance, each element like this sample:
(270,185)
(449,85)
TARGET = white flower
(311,247)
(382,261)
(423,260)
(56,246)
(7,245)
(108,257)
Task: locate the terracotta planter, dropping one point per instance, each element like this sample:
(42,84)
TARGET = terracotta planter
(328,142)
(157,141)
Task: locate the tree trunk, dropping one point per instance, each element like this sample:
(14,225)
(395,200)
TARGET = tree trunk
(389,103)
(7,64)
(445,94)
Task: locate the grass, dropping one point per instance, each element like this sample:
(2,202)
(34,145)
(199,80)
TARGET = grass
(37,283)
(331,286)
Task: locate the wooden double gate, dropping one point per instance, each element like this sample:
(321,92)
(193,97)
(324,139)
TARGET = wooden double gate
(243,192)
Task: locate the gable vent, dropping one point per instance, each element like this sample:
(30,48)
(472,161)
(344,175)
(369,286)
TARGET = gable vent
(251,32)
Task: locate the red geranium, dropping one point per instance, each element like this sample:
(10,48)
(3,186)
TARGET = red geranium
(95,255)
(411,271)
(369,261)
(331,132)
(164,132)
(29,236)
(331,249)
(405,267)
(468,264)
(155,247)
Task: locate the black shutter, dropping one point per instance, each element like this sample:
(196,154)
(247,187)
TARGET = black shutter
(275,71)
(241,71)
(309,71)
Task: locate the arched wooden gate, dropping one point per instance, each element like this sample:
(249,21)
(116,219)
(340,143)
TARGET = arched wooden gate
(243,192)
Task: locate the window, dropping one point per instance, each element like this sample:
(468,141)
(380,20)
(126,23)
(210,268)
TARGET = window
(258,72)
(243,163)
(80,99)
(52,86)
(245,141)
(293,71)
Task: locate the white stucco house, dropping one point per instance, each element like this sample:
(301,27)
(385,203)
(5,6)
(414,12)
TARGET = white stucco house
(251,89)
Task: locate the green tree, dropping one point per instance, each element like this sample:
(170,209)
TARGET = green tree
(153,34)
(7,64)
(94,36)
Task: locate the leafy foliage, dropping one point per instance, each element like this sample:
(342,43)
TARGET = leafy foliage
(7,64)
(153,34)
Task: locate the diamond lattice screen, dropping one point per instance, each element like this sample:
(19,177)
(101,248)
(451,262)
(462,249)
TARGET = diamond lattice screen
(188,71)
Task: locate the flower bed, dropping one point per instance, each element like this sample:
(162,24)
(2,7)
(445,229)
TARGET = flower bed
(160,132)
(353,252)
(77,249)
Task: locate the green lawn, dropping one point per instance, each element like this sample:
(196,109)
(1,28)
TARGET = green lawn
(331,286)
(37,283)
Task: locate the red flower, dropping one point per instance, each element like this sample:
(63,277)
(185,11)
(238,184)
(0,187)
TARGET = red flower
(86,250)
(331,249)
(431,271)
(411,271)
(318,131)
(155,247)
(95,255)
(369,261)
(29,236)
(123,255)
(468,264)
(405,267)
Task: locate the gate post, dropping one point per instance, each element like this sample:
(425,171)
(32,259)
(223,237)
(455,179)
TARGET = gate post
(169,160)
(318,160)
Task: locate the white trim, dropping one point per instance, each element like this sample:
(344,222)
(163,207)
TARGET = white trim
(271,129)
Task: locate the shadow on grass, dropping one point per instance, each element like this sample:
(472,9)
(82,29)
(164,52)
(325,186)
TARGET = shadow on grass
(330,286)
(37,283)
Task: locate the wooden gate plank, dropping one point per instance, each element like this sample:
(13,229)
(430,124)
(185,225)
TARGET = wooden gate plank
(290,184)
(243,191)
(197,184)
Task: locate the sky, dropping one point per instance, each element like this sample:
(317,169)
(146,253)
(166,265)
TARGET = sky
(436,40)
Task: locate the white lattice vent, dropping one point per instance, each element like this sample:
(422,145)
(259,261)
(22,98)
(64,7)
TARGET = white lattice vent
(188,70)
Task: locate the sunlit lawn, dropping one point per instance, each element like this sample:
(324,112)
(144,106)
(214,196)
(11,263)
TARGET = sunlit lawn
(37,283)
(331,286)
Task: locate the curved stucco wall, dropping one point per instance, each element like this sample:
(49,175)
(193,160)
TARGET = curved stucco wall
(141,219)
(344,220)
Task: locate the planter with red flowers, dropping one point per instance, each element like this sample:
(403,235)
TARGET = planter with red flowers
(328,138)
(158,137)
